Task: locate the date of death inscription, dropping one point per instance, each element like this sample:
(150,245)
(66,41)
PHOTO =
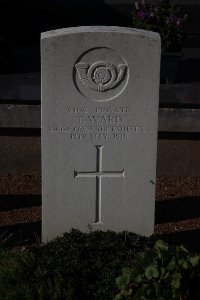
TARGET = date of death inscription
(103,123)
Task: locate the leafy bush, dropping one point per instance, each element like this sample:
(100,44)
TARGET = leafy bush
(161,272)
(75,266)
(79,266)
(15,275)
(87,263)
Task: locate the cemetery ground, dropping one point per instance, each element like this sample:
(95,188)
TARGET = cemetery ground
(85,266)
(69,266)
(176,215)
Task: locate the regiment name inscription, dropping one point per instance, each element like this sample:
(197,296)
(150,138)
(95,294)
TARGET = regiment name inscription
(99,126)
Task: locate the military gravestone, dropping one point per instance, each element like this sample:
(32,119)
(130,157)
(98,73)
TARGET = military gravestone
(100,90)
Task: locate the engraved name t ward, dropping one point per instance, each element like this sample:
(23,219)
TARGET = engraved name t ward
(100,91)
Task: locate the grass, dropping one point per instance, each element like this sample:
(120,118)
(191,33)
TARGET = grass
(76,266)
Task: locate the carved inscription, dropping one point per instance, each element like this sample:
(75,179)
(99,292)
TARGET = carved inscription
(103,123)
(99,174)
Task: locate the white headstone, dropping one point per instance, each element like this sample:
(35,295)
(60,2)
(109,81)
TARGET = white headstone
(100,91)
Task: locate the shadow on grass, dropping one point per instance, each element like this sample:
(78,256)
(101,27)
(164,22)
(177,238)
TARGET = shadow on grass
(178,209)
(30,233)
(172,210)
(8,202)
(190,239)
(20,234)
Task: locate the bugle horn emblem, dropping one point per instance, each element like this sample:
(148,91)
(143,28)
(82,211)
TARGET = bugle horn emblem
(101,76)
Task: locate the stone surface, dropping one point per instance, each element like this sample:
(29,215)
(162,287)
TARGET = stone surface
(100,89)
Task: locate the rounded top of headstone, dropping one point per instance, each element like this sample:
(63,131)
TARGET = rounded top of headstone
(112,29)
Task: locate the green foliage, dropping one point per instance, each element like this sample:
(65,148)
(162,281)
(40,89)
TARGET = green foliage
(162,17)
(84,266)
(162,272)
(73,267)
(88,263)
(15,275)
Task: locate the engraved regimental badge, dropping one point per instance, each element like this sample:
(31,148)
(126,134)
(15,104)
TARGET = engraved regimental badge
(101,79)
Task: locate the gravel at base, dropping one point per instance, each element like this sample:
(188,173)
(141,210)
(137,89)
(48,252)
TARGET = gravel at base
(20,184)
(30,185)
(173,187)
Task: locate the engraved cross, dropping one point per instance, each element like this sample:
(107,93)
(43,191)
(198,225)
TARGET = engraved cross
(99,174)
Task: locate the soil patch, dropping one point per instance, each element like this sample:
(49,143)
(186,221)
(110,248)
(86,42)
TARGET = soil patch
(177,208)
